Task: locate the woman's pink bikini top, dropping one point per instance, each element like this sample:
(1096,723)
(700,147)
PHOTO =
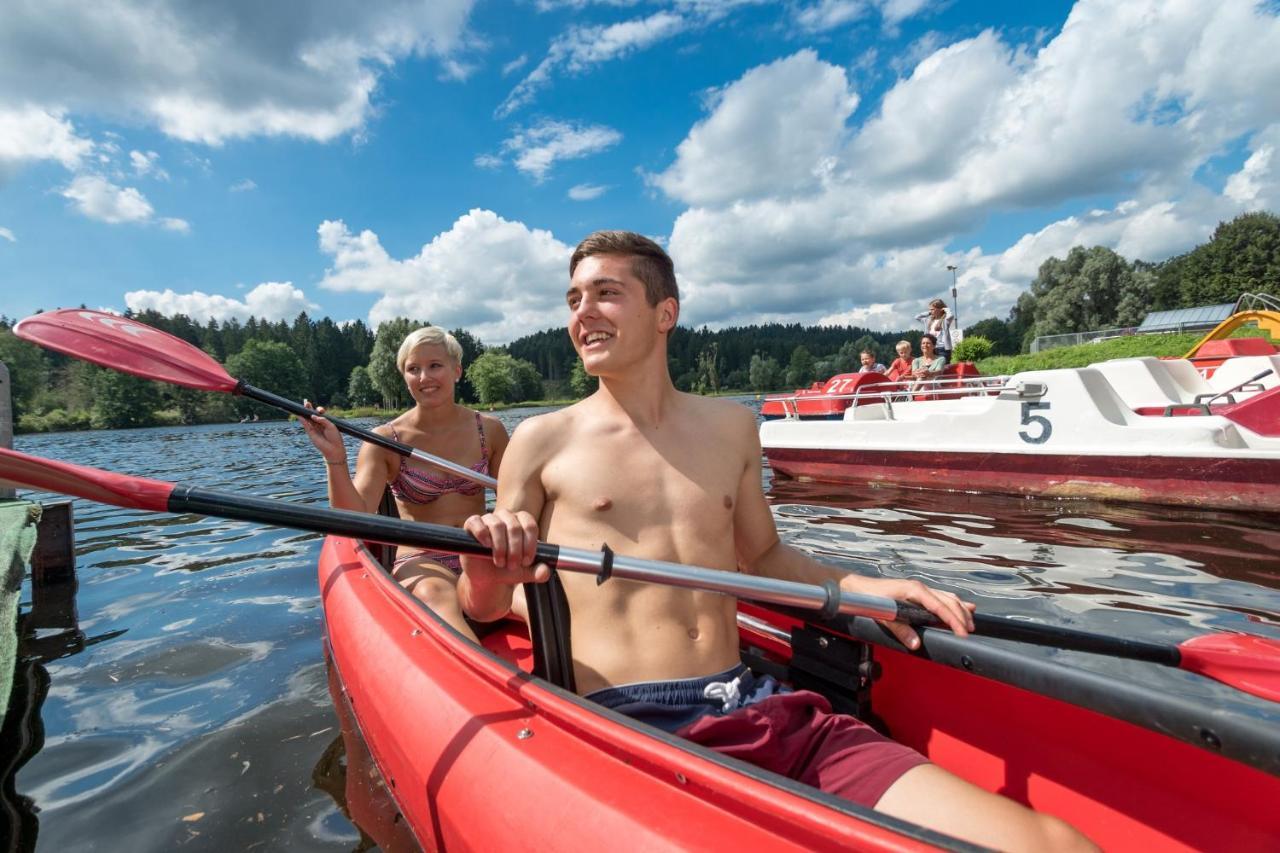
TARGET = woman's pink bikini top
(417,486)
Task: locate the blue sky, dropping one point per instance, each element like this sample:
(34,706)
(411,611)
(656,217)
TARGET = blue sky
(806,161)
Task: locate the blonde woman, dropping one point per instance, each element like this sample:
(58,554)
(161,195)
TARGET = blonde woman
(430,361)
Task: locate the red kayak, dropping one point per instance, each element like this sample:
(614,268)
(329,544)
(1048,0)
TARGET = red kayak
(480,754)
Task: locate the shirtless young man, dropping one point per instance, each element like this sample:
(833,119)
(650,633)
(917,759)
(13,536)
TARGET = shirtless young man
(659,474)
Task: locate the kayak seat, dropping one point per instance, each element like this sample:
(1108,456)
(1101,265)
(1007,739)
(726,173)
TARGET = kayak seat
(509,640)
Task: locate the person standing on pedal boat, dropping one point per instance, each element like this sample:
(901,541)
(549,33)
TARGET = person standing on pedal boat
(430,361)
(939,323)
(632,467)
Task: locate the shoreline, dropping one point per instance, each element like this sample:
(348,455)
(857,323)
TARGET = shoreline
(168,417)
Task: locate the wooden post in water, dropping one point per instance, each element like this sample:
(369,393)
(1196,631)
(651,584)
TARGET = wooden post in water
(54,558)
(7,493)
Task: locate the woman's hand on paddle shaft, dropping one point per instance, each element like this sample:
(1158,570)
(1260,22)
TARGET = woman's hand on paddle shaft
(512,537)
(324,436)
(947,606)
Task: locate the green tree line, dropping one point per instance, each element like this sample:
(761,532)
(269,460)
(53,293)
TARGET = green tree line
(351,365)
(1095,288)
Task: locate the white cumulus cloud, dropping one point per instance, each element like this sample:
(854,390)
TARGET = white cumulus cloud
(583,47)
(101,200)
(515,65)
(831,14)
(147,163)
(534,150)
(1257,185)
(29,134)
(772,132)
(272,300)
(8,235)
(1131,100)
(587,192)
(496,278)
(209,72)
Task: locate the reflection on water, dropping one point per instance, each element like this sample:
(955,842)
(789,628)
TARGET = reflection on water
(179,695)
(347,773)
(1053,559)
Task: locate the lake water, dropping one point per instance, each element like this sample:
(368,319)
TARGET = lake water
(180,690)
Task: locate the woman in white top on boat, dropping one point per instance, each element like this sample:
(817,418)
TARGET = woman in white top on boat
(939,323)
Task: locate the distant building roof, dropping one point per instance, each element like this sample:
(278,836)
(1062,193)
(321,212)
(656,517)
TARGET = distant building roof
(1205,315)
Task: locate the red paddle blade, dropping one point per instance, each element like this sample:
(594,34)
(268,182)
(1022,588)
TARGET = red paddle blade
(125,345)
(1248,663)
(83,482)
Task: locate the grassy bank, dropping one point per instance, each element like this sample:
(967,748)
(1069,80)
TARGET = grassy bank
(1083,355)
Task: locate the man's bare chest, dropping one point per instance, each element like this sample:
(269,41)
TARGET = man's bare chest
(629,481)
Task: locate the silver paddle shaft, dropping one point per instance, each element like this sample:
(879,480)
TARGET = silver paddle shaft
(752,587)
(461,470)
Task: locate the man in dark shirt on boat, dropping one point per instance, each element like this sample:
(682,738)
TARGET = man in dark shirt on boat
(633,466)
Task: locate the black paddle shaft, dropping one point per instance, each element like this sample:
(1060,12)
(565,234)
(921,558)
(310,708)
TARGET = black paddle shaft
(276,401)
(1034,633)
(338,522)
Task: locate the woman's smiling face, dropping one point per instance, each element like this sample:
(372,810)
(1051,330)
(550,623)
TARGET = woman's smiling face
(430,374)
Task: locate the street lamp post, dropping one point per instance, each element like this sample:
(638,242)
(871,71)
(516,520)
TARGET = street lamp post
(955,300)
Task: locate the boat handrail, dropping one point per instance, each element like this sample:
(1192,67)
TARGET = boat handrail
(974,383)
(906,390)
(976,386)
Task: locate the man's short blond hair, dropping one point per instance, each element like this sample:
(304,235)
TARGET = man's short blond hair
(428,335)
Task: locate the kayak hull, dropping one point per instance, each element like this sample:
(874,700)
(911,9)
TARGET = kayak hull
(476,752)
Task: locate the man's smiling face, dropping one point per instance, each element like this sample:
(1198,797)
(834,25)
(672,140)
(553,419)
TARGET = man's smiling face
(611,322)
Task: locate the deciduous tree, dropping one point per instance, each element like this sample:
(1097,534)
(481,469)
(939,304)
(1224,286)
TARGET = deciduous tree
(764,373)
(360,390)
(272,367)
(493,377)
(122,400)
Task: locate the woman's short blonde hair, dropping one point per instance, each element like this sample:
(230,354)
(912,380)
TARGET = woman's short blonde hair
(432,335)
